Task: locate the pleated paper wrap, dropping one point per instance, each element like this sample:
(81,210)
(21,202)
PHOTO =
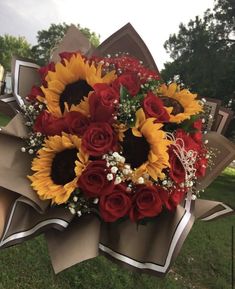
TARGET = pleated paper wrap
(71,239)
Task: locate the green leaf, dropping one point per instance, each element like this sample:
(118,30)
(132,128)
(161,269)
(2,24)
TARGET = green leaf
(123,93)
(187,124)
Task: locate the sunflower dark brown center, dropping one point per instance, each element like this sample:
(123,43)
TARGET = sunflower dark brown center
(177,107)
(135,149)
(74,93)
(62,169)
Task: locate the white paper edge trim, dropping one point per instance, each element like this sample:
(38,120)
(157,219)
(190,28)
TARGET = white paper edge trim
(9,222)
(8,99)
(183,223)
(24,234)
(226,210)
(27,233)
(225,116)
(16,80)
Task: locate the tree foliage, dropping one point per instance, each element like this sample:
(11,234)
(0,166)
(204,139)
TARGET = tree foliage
(11,45)
(203,53)
(48,39)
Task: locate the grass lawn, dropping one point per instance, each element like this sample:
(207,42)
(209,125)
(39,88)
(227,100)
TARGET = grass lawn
(3,120)
(204,262)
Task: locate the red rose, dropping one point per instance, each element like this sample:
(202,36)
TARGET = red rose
(130,81)
(153,107)
(175,198)
(189,142)
(50,125)
(44,70)
(116,205)
(177,172)
(172,198)
(197,137)
(102,103)
(77,123)
(99,139)
(35,91)
(146,203)
(197,124)
(94,182)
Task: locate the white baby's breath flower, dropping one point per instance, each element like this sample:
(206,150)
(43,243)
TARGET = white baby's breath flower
(109,177)
(125,171)
(96,201)
(121,159)
(72,210)
(118,180)
(140,180)
(116,155)
(114,170)
(127,166)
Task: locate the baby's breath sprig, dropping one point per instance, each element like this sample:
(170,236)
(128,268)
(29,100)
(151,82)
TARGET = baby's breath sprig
(150,85)
(128,107)
(118,170)
(33,143)
(35,139)
(211,155)
(79,205)
(31,112)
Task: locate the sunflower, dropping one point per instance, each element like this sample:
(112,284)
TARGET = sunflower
(70,83)
(57,168)
(145,147)
(180,104)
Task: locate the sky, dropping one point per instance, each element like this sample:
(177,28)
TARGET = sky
(154,20)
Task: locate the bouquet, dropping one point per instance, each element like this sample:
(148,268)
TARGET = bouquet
(110,138)
(108,145)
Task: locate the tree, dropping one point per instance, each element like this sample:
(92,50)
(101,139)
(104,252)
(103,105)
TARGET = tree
(48,39)
(203,53)
(11,45)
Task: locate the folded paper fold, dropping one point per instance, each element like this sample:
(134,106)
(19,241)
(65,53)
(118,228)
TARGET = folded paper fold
(126,40)
(74,40)
(78,243)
